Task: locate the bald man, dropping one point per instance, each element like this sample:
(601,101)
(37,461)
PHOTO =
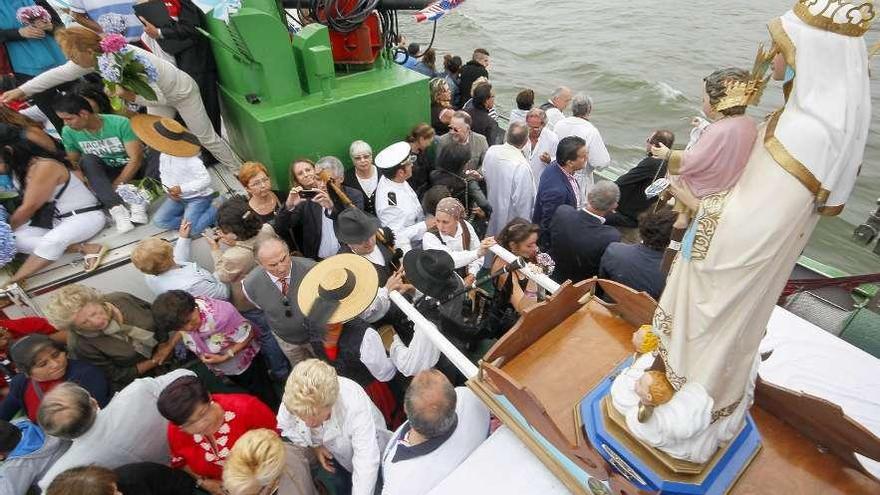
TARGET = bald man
(272,287)
(445,425)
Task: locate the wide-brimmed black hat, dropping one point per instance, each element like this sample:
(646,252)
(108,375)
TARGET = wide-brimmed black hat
(354,226)
(431,271)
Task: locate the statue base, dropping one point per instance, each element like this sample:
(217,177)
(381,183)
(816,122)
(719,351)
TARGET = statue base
(653,470)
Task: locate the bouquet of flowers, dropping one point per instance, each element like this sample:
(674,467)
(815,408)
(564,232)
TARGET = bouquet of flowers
(120,66)
(33,15)
(113,23)
(546,263)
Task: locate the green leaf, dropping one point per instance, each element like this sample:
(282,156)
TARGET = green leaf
(139,86)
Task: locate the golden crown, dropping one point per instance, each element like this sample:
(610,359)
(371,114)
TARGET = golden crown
(744,93)
(846,17)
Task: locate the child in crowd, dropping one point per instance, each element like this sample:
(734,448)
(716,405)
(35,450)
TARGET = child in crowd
(183,175)
(215,331)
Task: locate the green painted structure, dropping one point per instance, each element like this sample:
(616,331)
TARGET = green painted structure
(282,98)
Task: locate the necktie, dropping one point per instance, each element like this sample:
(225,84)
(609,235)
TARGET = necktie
(284,287)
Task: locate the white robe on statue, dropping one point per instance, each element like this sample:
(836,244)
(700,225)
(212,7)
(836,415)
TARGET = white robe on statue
(714,310)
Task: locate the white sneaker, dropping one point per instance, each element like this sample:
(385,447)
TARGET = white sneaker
(122,218)
(138,213)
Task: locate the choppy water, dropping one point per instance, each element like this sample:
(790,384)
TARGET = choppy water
(642,62)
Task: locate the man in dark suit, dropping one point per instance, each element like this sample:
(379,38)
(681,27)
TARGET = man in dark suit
(473,70)
(633,183)
(580,236)
(558,186)
(638,265)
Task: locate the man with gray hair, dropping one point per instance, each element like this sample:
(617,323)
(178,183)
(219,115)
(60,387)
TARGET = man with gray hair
(510,186)
(460,132)
(579,125)
(444,426)
(579,236)
(336,171)
(130,429)
(541,145)
(558,102)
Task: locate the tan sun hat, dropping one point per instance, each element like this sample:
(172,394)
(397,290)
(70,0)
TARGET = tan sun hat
(165,135)
(338,289)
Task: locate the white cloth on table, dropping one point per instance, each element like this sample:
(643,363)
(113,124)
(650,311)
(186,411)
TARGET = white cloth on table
(187,172)
(547,142)
(174,88)
(355,434)
(375,357)
(510,186)
(462,256)
(598,153)
(807,359)
(520,473)
(187,276)
(130,429)
(416,471)
(399,209)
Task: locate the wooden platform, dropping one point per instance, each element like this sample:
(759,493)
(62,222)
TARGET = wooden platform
(561,350)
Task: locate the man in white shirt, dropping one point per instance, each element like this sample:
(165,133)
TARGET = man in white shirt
(397,205)
(579,125)
(130,429)
(445,425)
(540,148)
(509,182)
(557,104)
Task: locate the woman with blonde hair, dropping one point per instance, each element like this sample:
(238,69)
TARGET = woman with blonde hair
(363,176)
(336,418)
(261,463)
(176,91)
(113,332)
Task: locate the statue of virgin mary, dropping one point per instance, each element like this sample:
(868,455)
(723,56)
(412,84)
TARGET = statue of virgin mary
(714,310)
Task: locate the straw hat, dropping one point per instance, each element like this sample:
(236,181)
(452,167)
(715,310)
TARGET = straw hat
(165,135)
(338,289)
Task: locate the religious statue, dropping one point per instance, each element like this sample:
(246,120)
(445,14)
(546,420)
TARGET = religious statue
(744,241)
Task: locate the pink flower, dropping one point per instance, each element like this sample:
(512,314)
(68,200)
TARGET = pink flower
(113,43)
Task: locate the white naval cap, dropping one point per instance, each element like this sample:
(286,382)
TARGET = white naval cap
(393,155)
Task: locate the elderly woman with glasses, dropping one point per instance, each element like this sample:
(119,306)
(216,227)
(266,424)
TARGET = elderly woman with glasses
(204,428)
(113,332)
(364,176)
(336,418)
(453,234)
(331,169)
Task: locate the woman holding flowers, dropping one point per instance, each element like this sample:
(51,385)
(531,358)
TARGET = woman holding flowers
(26,31)
(136,76)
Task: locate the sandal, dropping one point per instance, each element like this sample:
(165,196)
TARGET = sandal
(92,261)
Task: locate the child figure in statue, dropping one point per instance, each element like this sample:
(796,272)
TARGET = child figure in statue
(717,159)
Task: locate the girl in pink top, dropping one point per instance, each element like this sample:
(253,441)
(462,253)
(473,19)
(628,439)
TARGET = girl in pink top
(223,340)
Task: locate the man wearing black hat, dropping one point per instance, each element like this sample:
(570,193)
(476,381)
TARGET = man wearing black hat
(356,231)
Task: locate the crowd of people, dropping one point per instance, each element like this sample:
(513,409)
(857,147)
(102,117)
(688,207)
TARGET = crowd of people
(284,365)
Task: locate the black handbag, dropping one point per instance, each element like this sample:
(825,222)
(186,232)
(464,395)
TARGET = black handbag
(44,217)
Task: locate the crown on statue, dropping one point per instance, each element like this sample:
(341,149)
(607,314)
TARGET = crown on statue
(846,17)
(749,92)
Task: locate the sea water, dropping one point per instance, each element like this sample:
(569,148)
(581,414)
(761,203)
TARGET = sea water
(643,62)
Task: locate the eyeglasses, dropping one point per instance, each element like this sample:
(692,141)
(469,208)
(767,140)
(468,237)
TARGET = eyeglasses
(259,182)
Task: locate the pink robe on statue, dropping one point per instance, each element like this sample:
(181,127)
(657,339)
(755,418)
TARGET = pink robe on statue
(717,160)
